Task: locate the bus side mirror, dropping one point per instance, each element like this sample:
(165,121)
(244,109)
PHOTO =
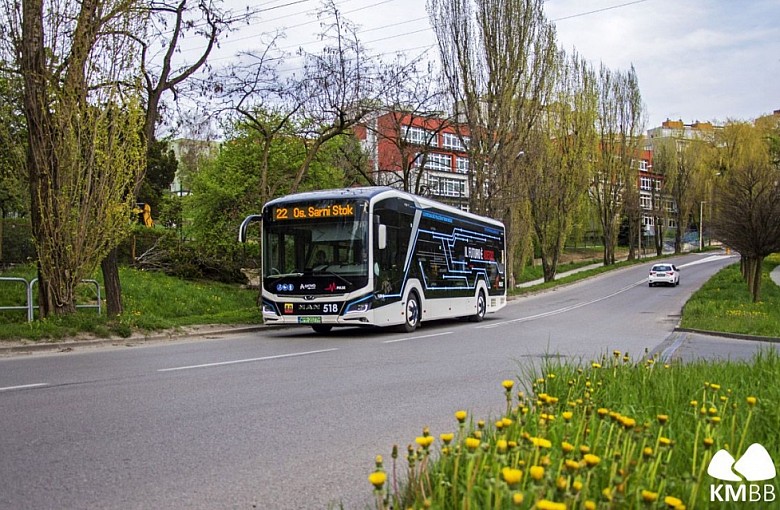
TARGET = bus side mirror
(382,236)
(244,224)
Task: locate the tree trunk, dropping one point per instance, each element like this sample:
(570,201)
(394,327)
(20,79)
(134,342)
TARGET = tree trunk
(756,284)
(111,283)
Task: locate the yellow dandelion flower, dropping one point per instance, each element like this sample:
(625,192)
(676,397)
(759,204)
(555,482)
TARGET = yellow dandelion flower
(607,493)
(461,416)
(664,441)
(507,422)
(424,441)
(567,415)
(751,401)
(590,505)
(672,502)
(501,446)
(499,424)
(481,424)
(572,465)
(694,403)
(595,365)
(647,451)
(508,384)
(712,411)
(447,437)
(576,486)
(378,461)
(603,412)
(708,442)
(541,442)
(715,420)
(546,504)
(591,460)
(377,479)
(562,483)
(584,449)
(616,354)
(567,447)
(649,496)
(662,418)
(714,387)
(511,476)
(472,443)
(536,472)
(517,498)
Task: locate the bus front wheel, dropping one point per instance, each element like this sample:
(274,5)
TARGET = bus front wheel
(411,314)
(481,308)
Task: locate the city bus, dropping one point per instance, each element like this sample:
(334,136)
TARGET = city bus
(376,256)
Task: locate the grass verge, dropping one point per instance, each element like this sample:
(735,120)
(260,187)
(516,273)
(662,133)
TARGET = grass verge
(724,304)
(613,434)
(152,301)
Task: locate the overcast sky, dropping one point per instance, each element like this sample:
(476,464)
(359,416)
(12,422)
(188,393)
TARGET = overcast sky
(706,60)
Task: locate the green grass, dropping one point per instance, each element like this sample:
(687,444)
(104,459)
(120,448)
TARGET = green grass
(724,304)
(152,301)
(593,436)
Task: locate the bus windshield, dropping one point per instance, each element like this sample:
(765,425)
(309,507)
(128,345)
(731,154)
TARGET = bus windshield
(315,248)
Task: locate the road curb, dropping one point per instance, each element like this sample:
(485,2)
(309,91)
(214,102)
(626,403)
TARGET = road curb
(134,340)
(735,336)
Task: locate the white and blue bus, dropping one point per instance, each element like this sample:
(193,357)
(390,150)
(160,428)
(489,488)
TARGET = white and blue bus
(376,256)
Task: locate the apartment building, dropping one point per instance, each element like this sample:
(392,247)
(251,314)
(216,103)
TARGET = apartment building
(412,146)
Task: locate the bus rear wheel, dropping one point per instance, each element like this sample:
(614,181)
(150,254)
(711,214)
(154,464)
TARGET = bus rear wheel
(481,308)
(321,328)
(411,314)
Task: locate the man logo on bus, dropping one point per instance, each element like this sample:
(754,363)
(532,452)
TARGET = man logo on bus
(288,308)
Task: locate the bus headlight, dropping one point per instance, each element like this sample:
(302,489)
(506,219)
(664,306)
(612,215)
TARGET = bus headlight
(268,308)
(360,306)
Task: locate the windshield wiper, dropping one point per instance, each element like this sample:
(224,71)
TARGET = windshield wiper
(337,276)
(286,275)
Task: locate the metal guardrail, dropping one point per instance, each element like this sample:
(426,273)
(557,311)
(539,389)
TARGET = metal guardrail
(30,306)
(28,294)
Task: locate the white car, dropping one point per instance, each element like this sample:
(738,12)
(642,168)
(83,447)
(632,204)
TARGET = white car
(667,274)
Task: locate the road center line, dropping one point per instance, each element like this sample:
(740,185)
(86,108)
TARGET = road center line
(24,387)
(562,310)
(249,360)
(417,337)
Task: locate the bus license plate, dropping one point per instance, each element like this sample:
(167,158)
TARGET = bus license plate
(309,320)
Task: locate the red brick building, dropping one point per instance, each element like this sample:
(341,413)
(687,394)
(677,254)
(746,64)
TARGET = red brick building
(425,151)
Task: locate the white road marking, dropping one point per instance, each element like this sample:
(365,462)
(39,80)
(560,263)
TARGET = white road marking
(249,360)
(666,356)
(580,305)
(417,337)
(562,310)
(24,387)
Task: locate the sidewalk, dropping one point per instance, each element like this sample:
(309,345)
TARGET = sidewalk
(775,275)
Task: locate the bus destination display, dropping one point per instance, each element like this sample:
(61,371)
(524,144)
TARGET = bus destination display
(303,212)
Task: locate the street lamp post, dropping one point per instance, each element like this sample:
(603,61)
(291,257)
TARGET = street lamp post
(701,225)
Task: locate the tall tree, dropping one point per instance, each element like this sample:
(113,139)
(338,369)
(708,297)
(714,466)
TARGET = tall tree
(620,124)
(84,144)
(557,162)
(498,63)
(169,23)
(747,198)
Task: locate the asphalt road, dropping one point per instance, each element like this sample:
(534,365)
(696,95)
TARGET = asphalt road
(286,419)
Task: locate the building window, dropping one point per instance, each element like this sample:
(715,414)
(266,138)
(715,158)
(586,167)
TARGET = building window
(646,183)
(462,165)
(419,136)
(446,187)
(435,161)
(453,142)
(646,202)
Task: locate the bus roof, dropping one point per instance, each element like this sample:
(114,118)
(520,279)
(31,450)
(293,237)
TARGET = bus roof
(369,192)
